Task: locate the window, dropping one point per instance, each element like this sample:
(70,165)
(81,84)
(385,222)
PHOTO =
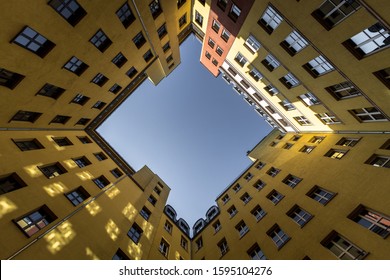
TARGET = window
(166,47)
(28,144)
(343,90)
(216,26)
(202,2)
(184,243)
(225,35)
(300,216)
(82,121)
(101,182)
(180,3)
(135,233)
(152,200)
(52,170)
(76,66)
(289,81)
(80,99)
(225,198)
(248,176)
(155,8)
(302,120)
(252,44)
(270,62)
(84,139)
(119,60)
(270,20)
(81,161)
(342,248)
(207,55)
(275,197)
(99,105)
(246,198)
(62,141)
(60,119)
(348,142)
(370,40)
(219,50)
(115,88)
(116,172)
(139,40)
(100,40)
(370,114)
(321,195)
(99,79)
(168,227)
(217,226)
(386,145)
(211,43)
(77,196)
(273,171)
(372,220)
(258,213)
(255,74)
(336,154)
(292,181)
(198,18)
(125,15)
(240,59)
(279,237)
(379,161)
(10,183)
(318,66)
(222,4)
(307,149)
(384,76)
(242,228)
(145,213)
(70,10)
(34,42)
(183,20)
(162,31)
(259,185)
(294,43)
(148,56)
(255,253)
(296,138)
(164,248)
(170,66)
(260,165)
(169,58)
(157,190)
(132,72)
(287,105)
(120,255)
(236,187)
(232,211)
(36,220)
(234,12)
(199,243)
(9,79)
(317,139)
(223,246)
(309,99)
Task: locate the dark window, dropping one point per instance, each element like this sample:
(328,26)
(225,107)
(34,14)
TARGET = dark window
(51,91)
(76,66)
(125,15)
(203,2)
(279,237)
(166,47)
(348,142)
(82,121)
(139,40)
(164,248)
(300,216)
(273,171)
(343,90)
(115,88)
(219,50)
(34,42)
(211,43)
(379,161)
(225,35)
(259,185)
(99,79)
(116,172)
(132,72)
(169,58)
(60,119)
(275,197)
(145,213)
(100,156)
(36,220)
(222,4)
(386,145)
(10,183)
(368,114)
(70,10)
(119,60)
(100,40)
(162,31)
(148,56)
(216,26)
(135,233)
(198,18)
(170,66)
(234,12)
(180,3)
(84,139)
(258,213)
(155,8)
(9,79)
(101,182)
(26,116)
(372,220)
(384,76)
(52,170)
(207,55)
(152,200)
(120,255)
(28,144)
(62,141)
(292,181)
(99,105)
(183,20)
(342,248)
(223,246)
(255,253)
(80,99)
(77,196)
(81,161)
(215,62)
(321,195)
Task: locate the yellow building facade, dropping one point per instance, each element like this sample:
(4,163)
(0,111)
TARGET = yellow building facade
(317,71)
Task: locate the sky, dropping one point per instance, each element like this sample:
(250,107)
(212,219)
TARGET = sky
(192,129)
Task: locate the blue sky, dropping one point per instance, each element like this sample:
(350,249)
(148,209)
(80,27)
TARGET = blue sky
(192,130)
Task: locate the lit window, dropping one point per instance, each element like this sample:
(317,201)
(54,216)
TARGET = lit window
(372,220)
(342,248)
(35,221)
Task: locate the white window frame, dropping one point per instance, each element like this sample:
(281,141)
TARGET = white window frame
(252,43)
(320,65)
(296,42)
(271,18)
